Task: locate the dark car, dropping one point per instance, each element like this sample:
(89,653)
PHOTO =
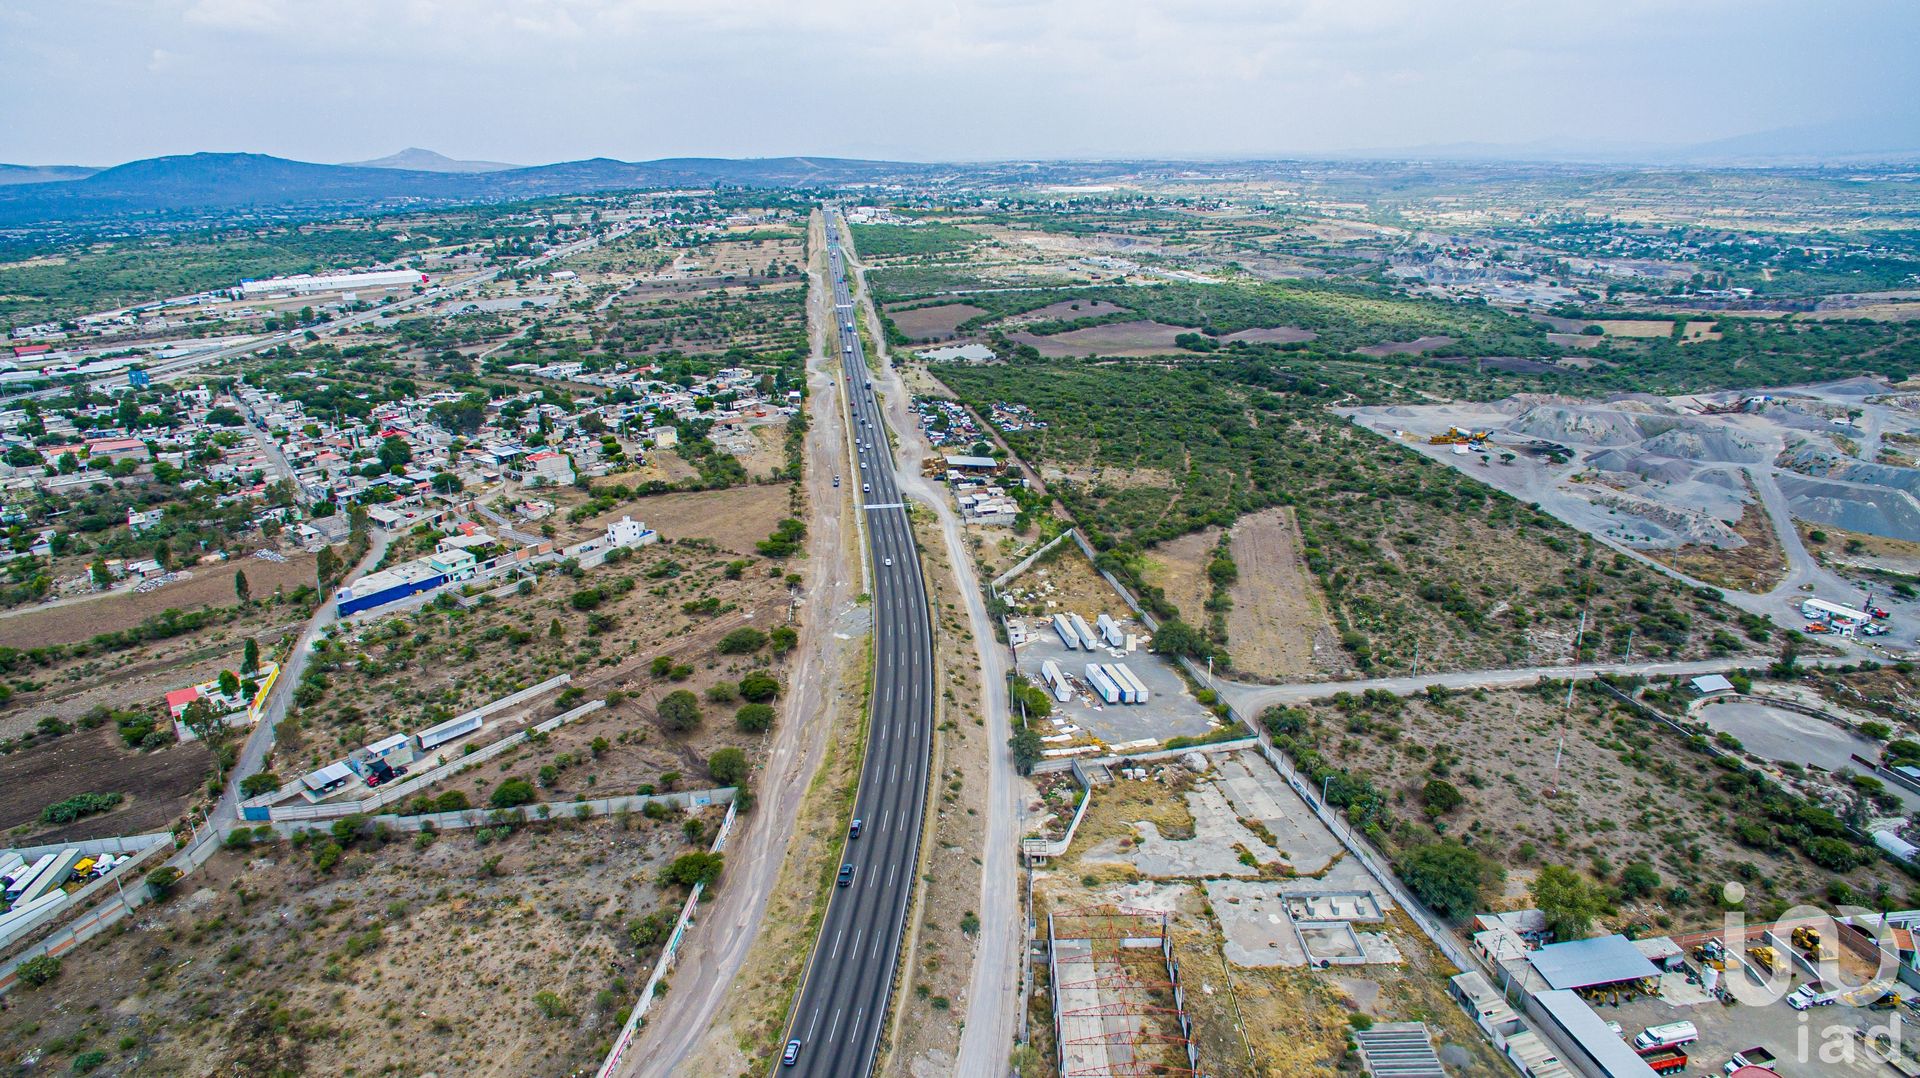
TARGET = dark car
(858,825)
(846,874)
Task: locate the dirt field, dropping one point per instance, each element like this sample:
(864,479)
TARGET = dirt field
(1178,568)
(1755,568)
(1278,610)
(403,959)
(1121,339)
(211,585)
(157,785)
(933,323)
(1071,310)
(1272,335)
(1063,582)
(1858,549)
(734,519)
(1403,348)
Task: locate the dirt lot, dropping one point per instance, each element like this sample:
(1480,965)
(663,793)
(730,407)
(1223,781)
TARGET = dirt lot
(1063,582)
(1754,568)
(1400,348)
(1178,567)
(1272,335)
(1628,791)
(933,323)
(1278,612)
(734,519)
(211,585)
(1120,339)
(1071,310)
(156,785)
(403,959)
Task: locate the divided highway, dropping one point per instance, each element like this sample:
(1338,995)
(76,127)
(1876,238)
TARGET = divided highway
(843,999)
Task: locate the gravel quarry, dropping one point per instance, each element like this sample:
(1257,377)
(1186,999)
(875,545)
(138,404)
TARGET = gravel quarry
(1658,473)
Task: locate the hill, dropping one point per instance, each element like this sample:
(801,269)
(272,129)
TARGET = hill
(12,174)
(415,159)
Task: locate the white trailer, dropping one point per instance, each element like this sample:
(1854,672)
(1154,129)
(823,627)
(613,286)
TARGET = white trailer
(1128,694)
(1056,679)
(1109,630)
(51,877)
(1068,635)
(9,864)
(1122,671)
(1822,610)
(1102,684)
(1087,639)
(24,877)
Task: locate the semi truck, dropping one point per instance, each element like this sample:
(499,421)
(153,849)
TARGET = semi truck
(1665,1060)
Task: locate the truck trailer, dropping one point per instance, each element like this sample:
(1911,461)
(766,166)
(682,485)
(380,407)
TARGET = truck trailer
(1056,680)
(1068,634)
(1102,684)
(1109,631)
(1123,672)
(1087,639)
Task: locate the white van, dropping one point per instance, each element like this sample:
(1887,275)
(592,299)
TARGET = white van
(1671,1035)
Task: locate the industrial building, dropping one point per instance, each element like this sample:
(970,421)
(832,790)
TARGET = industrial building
(307,284)
(386,586)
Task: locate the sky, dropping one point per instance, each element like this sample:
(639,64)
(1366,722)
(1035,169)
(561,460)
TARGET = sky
(98,82)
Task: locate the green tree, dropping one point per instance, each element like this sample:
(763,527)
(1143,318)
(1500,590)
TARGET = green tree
(102,579)
(759,686)
(728,766)
(241,589)
(680,710)
(250,656)
(1176,637)
(1447,876)
(38,971)
(1639,880)
(742,641)
(1027,748)
(754,718)
(511,793)
(1440,797)
(691,868)
(395,452)
(326,567)
(260,782)
(229,683)
(1569,903)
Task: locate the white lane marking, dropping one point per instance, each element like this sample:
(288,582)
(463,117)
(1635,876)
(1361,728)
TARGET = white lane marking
(832,1029)
(837,936)
(813,1025)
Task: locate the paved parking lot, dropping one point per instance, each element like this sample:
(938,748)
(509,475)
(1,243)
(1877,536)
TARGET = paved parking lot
(1170,711)
(1808,1043)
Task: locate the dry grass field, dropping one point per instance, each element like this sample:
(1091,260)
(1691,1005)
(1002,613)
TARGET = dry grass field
(1278,611)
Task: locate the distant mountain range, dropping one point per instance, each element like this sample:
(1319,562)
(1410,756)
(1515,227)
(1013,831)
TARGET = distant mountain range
(418,160)
(12,174)
(194,186)
(1849,141)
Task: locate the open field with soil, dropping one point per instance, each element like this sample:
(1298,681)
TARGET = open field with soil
(1119,339)
(510,957)
(933,323)
(155,786)
(1755,567)
(1178,567)
(1278,615)
(211,585)
(1627,790)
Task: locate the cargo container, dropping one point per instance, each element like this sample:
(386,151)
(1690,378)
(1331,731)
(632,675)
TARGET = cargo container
(435,736)
(1087,639)
(1068,635)
(1128,694)
(1109,630)
(1056,680)
(1122,671)
(51,877)
(1102,684)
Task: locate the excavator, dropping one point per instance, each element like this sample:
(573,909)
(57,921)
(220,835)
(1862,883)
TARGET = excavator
(1460,436)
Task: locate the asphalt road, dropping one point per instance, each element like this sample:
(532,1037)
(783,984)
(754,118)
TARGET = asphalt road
(843,998)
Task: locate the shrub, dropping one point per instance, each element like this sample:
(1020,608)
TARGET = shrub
(728,766)
(1447,876)
(680,710)
(550,1005)
(691,868)
(511,794)
(88,1062)
(783,639)
(754,718)
(161,880)
(742,641)
(723,692)
(1441,797)
(77,806)
(38,970)
(759,687)
(264,782)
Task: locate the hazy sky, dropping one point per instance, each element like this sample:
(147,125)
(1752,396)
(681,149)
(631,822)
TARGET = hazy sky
(103,81)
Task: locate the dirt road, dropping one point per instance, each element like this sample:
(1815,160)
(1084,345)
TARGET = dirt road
(716,947)
(993,993)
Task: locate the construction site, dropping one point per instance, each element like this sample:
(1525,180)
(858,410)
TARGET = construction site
(1117,999)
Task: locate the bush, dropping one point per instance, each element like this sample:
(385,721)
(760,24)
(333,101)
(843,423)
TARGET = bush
(511,794)
(1441,797)
(680,710)
(754,718)
(1639,880)
(77,806)
(783,639)
(759,687)
(723,692)
(264,782)
(161,880)
(550,1005)
(742,641)
(1447,876)
(728,766)
(38,971)
(691,868)
(88,1062)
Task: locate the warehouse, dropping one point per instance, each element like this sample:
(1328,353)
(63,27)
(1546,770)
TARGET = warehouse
(307,284)
(386,586)
(1589,1044)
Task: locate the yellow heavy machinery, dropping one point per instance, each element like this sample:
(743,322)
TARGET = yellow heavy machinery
(1460,436)
(1807,940)
(1767,958)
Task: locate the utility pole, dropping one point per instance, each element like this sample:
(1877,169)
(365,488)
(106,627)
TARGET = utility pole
(1416,659)
(1627,655)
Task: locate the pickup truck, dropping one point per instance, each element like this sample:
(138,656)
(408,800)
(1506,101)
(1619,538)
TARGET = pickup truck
(1748,1057)
(1665,1060)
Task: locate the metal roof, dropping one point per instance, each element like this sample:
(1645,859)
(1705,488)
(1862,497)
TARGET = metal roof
(1611,1055)
(1585,963)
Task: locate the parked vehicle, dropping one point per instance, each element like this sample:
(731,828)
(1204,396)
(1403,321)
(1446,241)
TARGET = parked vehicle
(836,480)
(1665,1060)
(1670,1035)
(1813,994)
(1749,1057)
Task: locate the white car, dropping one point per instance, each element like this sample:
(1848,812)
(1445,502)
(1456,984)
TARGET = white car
(889,562)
